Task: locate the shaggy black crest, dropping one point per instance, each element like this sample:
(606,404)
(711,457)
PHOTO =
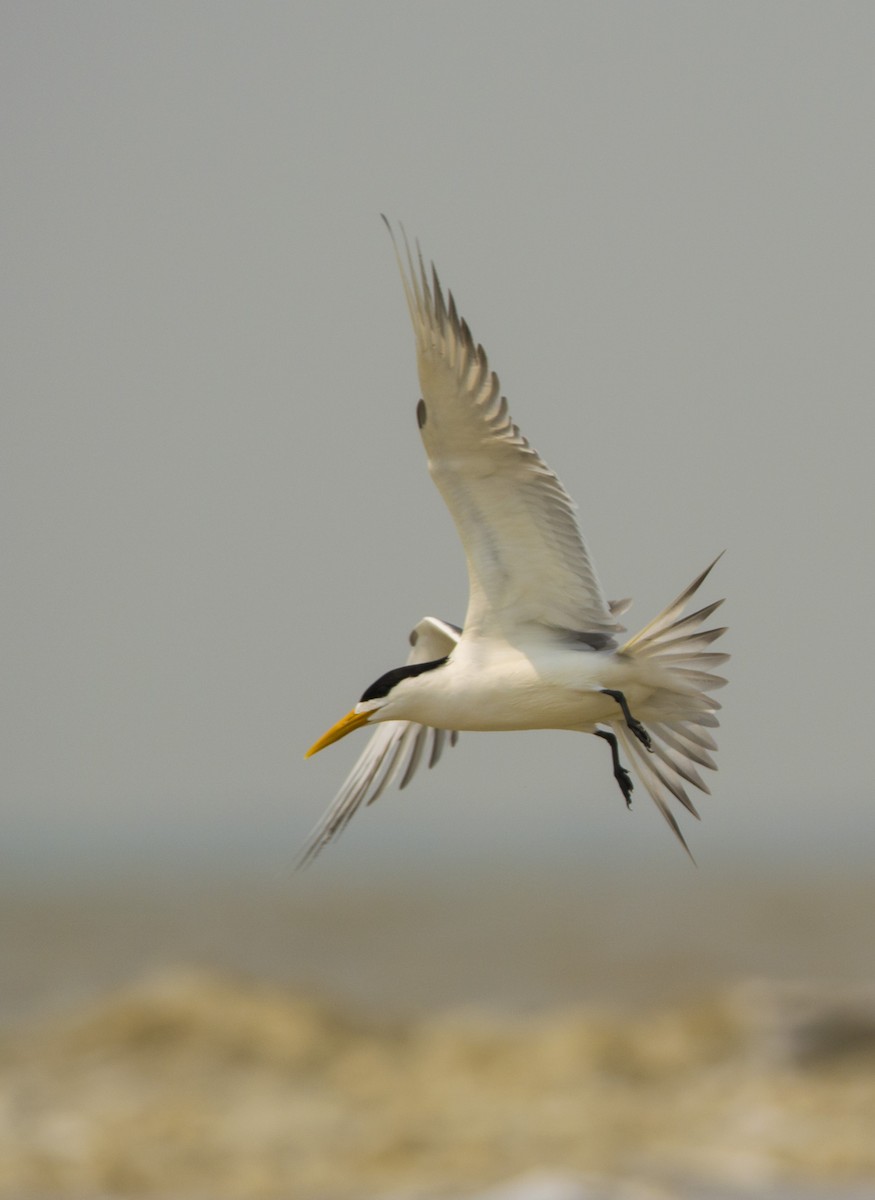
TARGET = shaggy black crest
(385,683)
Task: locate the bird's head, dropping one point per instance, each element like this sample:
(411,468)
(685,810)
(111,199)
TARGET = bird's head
(378,703)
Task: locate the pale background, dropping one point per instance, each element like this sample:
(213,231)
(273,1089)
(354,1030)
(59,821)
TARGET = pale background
(217,521)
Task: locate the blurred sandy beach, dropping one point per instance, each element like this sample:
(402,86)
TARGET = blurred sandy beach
(568,1038)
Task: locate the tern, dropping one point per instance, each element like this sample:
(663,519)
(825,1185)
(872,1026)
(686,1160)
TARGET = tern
(540,647)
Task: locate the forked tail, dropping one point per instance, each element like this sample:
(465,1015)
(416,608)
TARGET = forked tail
(682,712)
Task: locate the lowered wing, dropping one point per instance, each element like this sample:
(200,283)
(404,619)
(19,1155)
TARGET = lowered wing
(395,748)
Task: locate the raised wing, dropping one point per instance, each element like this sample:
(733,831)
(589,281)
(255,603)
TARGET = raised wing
(526,559)
(395,748)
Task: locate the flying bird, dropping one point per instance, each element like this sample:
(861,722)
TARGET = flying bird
(540,647)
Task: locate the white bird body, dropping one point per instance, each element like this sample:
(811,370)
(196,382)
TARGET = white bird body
(488,684)
(540,644)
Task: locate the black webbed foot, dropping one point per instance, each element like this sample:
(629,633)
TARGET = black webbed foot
(634,724)
(622,776)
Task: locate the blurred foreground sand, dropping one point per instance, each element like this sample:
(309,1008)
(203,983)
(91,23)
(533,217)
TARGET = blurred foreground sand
(199,1085)
(333,1043)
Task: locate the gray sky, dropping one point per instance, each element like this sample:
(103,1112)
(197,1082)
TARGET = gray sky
(217,521)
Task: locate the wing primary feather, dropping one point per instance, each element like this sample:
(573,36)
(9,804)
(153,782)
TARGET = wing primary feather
(415,756)
(437,745)
(392,762)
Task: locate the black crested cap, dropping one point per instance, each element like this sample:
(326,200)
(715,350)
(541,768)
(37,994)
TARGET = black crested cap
(385,683)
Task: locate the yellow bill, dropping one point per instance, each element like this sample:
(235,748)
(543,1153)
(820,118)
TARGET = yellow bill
(352,720)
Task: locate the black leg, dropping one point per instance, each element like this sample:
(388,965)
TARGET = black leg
(622,776)
(637,728)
